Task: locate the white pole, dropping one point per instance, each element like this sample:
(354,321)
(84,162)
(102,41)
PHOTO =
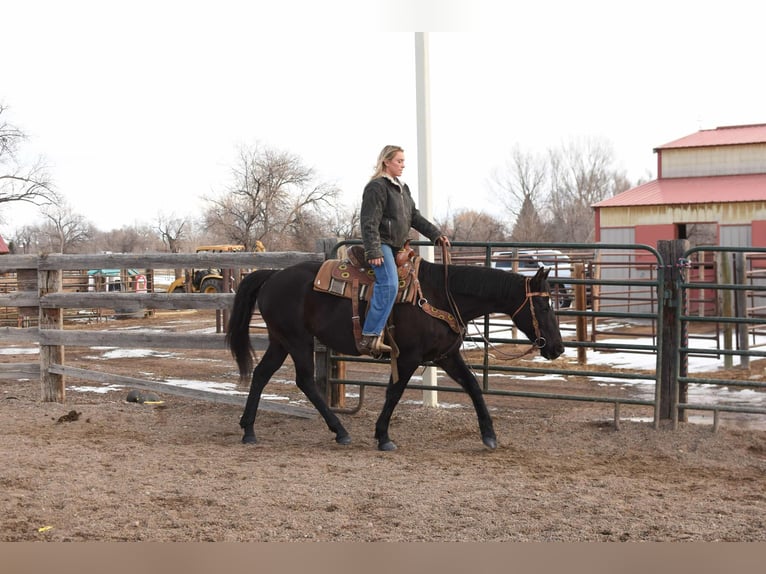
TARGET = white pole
(422,90)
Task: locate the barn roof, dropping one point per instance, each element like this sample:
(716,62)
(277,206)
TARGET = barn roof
(691,190)
(3,246)
(725,135)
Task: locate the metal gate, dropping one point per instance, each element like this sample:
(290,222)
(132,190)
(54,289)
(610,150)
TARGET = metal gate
(722,295)
(673,306)
(617,305)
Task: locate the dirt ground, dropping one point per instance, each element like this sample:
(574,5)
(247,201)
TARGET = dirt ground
(99,468)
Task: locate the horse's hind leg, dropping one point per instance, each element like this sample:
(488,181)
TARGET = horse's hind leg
(304,378)
(272,359)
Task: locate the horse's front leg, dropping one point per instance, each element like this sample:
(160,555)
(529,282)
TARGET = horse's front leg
(456,368)
(394,392)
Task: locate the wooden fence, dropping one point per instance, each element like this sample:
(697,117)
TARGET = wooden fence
(40,289)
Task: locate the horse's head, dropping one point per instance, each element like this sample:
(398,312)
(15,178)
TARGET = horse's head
(536,317)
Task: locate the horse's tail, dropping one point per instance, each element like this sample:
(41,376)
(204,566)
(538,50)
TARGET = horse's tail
(238,332)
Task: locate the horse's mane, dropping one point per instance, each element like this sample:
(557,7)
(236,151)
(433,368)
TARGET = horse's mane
(481,282)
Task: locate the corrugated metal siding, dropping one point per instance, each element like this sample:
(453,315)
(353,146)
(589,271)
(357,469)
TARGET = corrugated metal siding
(729,213)
(621,266)
(735,235)
(717,160)
(621,235)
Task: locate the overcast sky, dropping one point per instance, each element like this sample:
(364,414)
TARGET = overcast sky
(140,107)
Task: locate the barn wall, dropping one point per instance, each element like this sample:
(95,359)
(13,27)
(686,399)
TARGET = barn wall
(732,235)
(741,213)
(758,233)
(715,160)
(650,234)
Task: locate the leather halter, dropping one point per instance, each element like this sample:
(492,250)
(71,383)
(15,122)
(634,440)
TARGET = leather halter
(540,341)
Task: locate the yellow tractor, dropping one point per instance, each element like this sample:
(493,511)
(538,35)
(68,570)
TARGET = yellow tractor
(207,280)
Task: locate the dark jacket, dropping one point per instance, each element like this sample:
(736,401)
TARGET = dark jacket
(387,215)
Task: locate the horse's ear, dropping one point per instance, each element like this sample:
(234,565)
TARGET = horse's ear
(542,273)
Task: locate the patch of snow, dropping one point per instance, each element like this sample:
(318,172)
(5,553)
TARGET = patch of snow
(19,350)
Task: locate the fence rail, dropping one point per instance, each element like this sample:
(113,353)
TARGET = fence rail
(616,292)
(50,299)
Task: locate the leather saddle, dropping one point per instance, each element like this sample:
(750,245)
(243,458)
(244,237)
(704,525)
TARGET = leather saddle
(353,278)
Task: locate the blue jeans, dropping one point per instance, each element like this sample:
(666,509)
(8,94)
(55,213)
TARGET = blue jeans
(383,294)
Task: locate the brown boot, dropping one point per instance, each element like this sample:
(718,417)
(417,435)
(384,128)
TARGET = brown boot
(373,345)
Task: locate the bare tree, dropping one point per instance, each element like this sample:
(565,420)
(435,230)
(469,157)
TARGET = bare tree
(64,230)
(524,181)
(469,225)
(129,239)
(20,182)
(522,189)
(25,240)
(344,223)
(271,199)
(172,230)
(582,174)
(551,196)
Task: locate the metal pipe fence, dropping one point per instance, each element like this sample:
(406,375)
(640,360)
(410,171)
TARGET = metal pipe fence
(735,325)
(486,339)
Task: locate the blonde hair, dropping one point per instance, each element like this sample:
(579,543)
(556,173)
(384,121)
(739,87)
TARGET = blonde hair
(386,154)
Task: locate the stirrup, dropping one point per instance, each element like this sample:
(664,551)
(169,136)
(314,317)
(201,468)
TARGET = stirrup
(372,345)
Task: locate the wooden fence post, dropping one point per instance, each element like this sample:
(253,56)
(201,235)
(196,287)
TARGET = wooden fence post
(671,393)
(53,386)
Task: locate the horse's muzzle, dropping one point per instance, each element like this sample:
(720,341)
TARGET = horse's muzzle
(550,351)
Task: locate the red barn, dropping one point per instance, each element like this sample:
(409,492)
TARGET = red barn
(710,189)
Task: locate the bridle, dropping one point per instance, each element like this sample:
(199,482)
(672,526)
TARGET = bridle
(540,341)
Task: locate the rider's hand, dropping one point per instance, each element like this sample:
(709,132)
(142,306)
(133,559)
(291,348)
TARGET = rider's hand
(443,240)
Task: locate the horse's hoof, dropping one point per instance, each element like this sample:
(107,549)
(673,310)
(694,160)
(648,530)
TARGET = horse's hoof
(490,442)
(249,439)
(387,446)
(343,439)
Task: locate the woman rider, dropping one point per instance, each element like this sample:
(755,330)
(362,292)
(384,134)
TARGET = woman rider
(387,214)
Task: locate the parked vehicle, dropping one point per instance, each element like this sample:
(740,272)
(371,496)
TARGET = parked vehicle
(527,262)
(206,280)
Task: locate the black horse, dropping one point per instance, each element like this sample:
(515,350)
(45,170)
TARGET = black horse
(294,314)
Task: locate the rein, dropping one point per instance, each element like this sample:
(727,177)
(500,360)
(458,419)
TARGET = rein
(447,259)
